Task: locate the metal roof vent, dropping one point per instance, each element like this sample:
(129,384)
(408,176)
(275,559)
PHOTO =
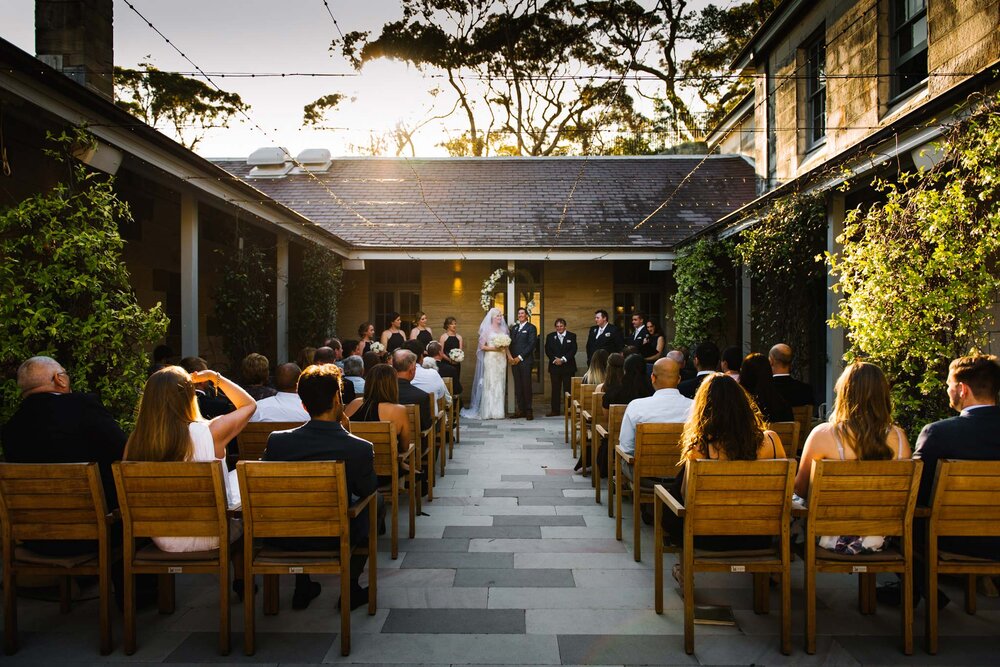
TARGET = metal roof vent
(270,162)
(313,160)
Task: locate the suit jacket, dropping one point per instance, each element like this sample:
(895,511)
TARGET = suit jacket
(795,392)
(554,350)
(523,341)
(690,387)
(638,338)
(448,370)
(972,435)
(611,340)
(410,395)
(328,441)
(66,428)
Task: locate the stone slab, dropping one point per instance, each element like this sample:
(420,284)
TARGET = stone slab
(528,520)
(451,649)
(455,621)
(432,597)
(511,578)
(421,544)
(577,598)
(548,546)
(607,649)
(559,501)
(272,647)
(458,560)
(481,532)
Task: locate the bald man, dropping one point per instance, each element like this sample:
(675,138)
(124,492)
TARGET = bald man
(285,406)
(666,405)
(795,392)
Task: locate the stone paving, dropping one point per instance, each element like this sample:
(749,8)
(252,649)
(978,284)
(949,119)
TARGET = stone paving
(515,564)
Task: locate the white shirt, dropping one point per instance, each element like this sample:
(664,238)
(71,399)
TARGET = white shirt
(285,406)
(666,406)
(431,382)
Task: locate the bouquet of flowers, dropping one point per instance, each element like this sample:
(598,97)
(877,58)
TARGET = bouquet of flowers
(378,348)
(499,340)
(457,355)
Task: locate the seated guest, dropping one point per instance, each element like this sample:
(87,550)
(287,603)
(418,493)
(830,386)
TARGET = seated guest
(353,348)
(54,425)
(404,363)
(285,405)
(371,359)
(795,392)
(724,426)
(635,383)
(338,351)
(732,359)
(755,376)
(170,427)
(381,404)
(329,355)
(162,355)
(354,370)
(444,368)
(210,403)
(860,428)
(425,378)
(666,405)
(393,338)
(598,367)
(256,369)
(614,372)
(305,358)
(706,361)
(678,355)
(323,438)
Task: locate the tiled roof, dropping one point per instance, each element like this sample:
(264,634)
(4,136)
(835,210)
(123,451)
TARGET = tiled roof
(513,202)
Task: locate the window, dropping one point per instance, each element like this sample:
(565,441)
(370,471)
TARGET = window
(637,290)
(908,45)
(395,288)
(815,107)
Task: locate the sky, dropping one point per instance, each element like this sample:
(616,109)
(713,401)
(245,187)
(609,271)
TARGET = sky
(275,36)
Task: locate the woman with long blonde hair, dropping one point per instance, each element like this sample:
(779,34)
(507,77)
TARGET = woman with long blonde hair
(598,368)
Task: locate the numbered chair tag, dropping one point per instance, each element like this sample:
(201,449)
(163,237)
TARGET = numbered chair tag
(295,570)
(175,570)
(859,568)
(737,568)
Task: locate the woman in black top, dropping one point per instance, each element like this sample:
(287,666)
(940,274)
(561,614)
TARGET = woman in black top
(653,349)
(366,332)
(422,332)
(755,376)
(381,403)
(393,338)
(634,384)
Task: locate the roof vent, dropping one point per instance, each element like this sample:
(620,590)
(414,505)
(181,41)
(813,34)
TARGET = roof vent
(269,162)
(313,160)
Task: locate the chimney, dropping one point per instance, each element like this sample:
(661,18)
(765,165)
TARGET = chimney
(76,37)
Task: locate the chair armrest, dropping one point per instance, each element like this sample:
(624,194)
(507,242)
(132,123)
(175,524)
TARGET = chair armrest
(668,499)
(354,510)
(409,452)
(576,404)
(601,431)
(586,415)
(624,456)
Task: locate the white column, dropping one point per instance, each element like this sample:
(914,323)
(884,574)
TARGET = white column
(189,275)
(281,302)
(511,318)
(834,336)
(746,325)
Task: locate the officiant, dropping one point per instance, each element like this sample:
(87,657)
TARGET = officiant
(524,339)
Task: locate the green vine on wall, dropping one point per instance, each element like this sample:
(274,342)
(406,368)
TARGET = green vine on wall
(919,272)
(243,299)
(703,271)
(314,297)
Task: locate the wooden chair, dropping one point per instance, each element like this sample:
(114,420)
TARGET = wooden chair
(584,395)
(569,414)
(803,414)
(252,439)
(861,498)
(54,501)
(382,435)
(454,415)
(732,498)
(183,499)
(425,445)
(442,421)
(610,433)
(964,505)
(302,500)
(657,453)
(788,433)
(598,417)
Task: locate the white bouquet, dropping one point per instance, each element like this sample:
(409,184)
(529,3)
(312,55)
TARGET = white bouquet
(377,348)
(499,340)
(457,355)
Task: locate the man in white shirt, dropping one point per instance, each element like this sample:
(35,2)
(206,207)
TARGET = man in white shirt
(427,379)
(285,406)
(665,406)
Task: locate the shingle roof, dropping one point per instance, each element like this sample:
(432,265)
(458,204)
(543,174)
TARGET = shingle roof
(513,202)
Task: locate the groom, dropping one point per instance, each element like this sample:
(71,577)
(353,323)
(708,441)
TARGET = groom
(523,339)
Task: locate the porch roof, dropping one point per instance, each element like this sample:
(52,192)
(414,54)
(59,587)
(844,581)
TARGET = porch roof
(562,204)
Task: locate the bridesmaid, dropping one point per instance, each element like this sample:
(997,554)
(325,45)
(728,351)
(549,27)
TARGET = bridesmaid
(393,338)
(422,332)
(366,332)
(451,340)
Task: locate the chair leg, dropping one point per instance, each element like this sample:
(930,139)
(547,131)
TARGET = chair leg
(688,560)
(907,604)
(931,603)
(595,472)
(443,447)
(65,594)
(810,586)
(866,593)
(970,594)
(430,472)
(129,621)
(224,606)
(9,611)
(618,499)
(250,610)
(272,594)
(657,557)
(345,608)
(636,518)
(761,592)
(373,562)
(166,594)
(786,609)
(104,590)
(414,495)
(394,514)
(612,480)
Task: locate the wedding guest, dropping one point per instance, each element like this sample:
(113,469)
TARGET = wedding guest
(598,367)
(210,403)
(162,355)
(354,370)
(381,403)
(352,348)
(681,358)
(560,348)
(666,405)
(444,369)
(393,338)
(732,359)
(285,405)
(655,342)
(255,370)
(371,359)
(404,363)
(425,378)
(638,335)
(603,336)
(794,391)
(421,331)
(629,349)
(755,377)
(323,438)
(614,372)
(706,361)
(451,340)
(170,427)
(305,358)
(338,351)
(366,332)
(635,383)
(327,355)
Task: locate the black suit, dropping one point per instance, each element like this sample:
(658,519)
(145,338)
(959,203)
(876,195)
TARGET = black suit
(560,375)
(610,340)
(795,392)
(410,395)
(690,387)
(523,341)
(639,338)
(448,370)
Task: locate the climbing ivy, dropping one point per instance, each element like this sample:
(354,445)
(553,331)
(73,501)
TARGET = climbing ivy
(703,271)
(243,298)
(314,297)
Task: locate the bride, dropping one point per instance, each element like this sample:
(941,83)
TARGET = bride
(490,382)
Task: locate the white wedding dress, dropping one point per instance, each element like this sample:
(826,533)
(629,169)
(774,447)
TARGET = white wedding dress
(494,391)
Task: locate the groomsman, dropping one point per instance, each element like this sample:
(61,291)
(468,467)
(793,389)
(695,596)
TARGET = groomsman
(639,335)
(560,348)
(523,339)
(603,336)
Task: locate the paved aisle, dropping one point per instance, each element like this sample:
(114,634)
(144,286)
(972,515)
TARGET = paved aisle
(515,564)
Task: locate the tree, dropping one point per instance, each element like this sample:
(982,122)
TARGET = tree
(66,290)
(314,113)
(243,297)
(919,271)
(312,313)
(188,106)
(703,272)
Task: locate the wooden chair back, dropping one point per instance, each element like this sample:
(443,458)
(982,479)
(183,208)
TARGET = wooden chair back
(788,433)
(657,450)
(252,439)
(570,412)
(382,435)
(584,395)
(424,441)
(51,501)
(862,497)
(294,499)
(965,499)
(172,499)
(598,414)
(616,413)
(739,498)
(803,414)
(449,385)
